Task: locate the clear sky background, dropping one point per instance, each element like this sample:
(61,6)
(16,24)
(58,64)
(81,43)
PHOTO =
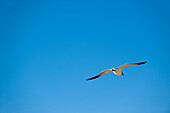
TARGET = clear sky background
(49,47)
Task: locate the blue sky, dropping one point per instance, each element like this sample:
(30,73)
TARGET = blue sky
(49,47)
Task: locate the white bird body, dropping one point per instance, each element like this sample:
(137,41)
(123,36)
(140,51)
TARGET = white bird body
(117,71)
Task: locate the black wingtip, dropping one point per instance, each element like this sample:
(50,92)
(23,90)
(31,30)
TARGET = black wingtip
(142,63)
(92,78)
(88,79)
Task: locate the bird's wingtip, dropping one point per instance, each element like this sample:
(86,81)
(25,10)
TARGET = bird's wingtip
(87,79)
(92,78)
(142,63)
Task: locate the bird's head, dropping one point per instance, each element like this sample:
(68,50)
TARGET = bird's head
(113,69)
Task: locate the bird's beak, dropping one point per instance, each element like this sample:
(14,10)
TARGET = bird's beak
(122,74)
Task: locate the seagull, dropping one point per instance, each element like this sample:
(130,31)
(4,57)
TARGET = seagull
(117,71)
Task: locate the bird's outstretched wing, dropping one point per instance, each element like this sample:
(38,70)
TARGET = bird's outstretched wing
(100,74)
(130,64)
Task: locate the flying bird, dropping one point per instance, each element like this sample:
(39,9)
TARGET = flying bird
(117,71)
